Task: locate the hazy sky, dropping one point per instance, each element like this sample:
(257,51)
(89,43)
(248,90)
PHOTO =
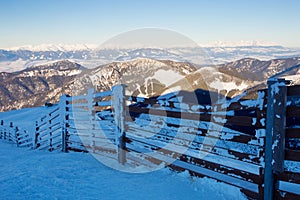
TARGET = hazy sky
(95,21)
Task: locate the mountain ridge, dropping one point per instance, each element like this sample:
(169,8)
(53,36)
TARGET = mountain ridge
(144,76)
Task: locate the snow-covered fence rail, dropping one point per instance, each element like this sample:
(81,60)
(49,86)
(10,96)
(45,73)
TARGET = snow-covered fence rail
(257,148)
(8,132)
(220,142)
(72,125)
(87,131)
(24,138)
(50,131)
(13,134)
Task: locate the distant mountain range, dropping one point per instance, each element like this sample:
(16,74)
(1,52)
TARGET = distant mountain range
(145,77)
(19,58)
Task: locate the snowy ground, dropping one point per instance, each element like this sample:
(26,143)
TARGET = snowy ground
(36,174)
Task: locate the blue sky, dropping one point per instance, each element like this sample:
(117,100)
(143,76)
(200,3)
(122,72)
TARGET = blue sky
(94,21)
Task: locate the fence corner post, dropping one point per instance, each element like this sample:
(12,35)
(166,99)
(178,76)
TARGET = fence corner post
(35,136)
(118,106)
(1,130)
(275,134)
(17,135)
(63,106)
(10,131)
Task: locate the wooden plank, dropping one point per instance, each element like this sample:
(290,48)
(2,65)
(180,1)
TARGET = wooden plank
(54,116)
(26,144)
(43,145)
(87,138)
(43,132)
(197,133)
(251,194)
(56,144)
(100,108)
(249,134)
(100,142)
(175,149)
(279,194)
(42,124)
(55,135)
(103,94)
(218,175)
(43,139)
(22,135)
(77,149)
(102,149)
(289,187)
(222,140)
(76,98)
(78,105)
(293,155)
(291,177)
(25,140)
(292,133)
(293,111)
(293,100)
(134,98)
(219,148)
(240,105)
(241,121)
(232,120)
(55,127)
(181,106)
(99,154)
(143,102)
(223,169)
(54,110)
(103,103)
(166,102)
(293,90)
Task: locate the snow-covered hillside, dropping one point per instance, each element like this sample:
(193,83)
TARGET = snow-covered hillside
(144,77)
(37,174)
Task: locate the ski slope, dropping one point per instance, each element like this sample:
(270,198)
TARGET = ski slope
(36,174)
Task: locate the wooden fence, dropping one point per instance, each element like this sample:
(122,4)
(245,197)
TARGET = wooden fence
(13,134)
(73,125)
(251,144)
(206,140)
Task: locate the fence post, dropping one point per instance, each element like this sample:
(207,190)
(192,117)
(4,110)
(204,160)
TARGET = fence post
(50,131)
(63,106)
(4,132)
(90,101)
(118,106)
(1,130)
(275,134)
(10,131)
(17,135)
(35,135)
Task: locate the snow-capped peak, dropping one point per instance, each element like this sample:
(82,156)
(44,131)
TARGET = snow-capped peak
(80,47)
(240,43)
(55,47)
